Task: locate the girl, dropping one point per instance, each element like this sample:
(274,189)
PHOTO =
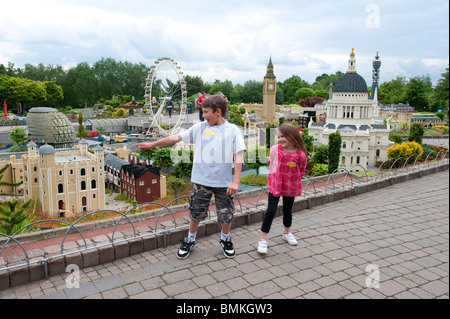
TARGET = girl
(287,163)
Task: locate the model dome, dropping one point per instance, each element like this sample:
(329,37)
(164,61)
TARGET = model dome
(350,82)
(48,125)
(46,149)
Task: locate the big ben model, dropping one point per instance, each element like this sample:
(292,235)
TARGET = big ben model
(269,94)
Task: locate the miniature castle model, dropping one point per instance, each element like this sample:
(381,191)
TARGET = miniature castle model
(350,111)
(66,181)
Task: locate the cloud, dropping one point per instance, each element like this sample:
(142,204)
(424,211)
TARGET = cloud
(231,39)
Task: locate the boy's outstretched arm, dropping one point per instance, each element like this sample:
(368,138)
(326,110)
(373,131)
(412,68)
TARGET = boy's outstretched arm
(169,140)
(238,160)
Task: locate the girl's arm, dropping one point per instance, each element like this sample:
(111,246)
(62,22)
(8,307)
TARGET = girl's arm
(303,160)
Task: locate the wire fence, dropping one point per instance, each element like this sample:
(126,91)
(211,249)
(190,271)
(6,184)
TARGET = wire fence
(312,188)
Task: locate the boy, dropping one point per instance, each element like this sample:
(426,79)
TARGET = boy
(216,143)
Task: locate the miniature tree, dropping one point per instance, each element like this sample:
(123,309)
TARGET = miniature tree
(18,135)
(256,157)
(176,184)
(334,151)
(81,132)
(416,133)
(12,214)
(308,139)
(6,183)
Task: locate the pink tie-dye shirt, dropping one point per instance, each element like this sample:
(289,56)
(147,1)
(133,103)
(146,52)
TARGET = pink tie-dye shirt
(286,171)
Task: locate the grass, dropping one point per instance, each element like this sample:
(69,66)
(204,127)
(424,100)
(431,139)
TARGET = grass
(253,179)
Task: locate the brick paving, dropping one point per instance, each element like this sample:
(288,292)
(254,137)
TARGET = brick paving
(401,232)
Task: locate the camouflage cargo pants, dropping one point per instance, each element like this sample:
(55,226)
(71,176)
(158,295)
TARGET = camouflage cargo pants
(200,200)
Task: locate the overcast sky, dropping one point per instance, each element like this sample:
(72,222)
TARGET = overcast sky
(232,39)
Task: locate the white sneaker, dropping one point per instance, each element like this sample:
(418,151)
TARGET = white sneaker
(290,239)
(262,247)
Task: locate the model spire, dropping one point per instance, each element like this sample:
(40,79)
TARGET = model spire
(352,62)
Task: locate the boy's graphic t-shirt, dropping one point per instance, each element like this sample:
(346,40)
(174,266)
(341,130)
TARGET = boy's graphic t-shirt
(286,171)
(215,147)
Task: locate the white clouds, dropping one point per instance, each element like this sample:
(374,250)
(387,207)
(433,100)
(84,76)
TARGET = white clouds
(230,39)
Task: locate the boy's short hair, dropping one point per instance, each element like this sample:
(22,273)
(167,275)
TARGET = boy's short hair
(216,102)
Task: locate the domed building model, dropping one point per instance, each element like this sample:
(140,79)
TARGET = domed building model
(49,126)
(351,111)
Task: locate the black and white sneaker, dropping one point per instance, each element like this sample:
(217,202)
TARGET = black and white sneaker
(228,249)
(185,248)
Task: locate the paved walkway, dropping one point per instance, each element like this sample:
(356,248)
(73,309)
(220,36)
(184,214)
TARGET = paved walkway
(390,243)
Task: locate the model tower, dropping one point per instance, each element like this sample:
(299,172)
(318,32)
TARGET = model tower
(375,75)
(269,94)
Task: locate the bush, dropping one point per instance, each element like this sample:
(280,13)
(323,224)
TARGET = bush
(426,151)
(395,138)
(252,179)
(321,154)
(121,197)
(405,150)
(443,129)
(416,133)
(319,170)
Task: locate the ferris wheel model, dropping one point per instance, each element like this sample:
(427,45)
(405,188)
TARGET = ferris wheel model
(164,82)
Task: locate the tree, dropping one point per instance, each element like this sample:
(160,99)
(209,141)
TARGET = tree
(120,112)
(310,101)
(81,132)
(236,93)
(226,87)
(393,91)
(54,92)
(101,131)
(183,162)
(322,82)
(176,184)
(257,157)
(149,153)
(162,158)
(322,93)
(80,86)
(308,139)
(107,73)
(194,84)
(252,92)
(4,168)
(440,95)
(303,93)
(321,154)
(12,214)
(18,135)
(334,151)
(25,91)
(440,115)
(291,86)
(416,133)
(416,94)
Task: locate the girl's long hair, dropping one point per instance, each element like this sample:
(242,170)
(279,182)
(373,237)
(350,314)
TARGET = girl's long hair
(291,133)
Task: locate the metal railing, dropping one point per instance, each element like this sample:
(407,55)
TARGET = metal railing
(166,209)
